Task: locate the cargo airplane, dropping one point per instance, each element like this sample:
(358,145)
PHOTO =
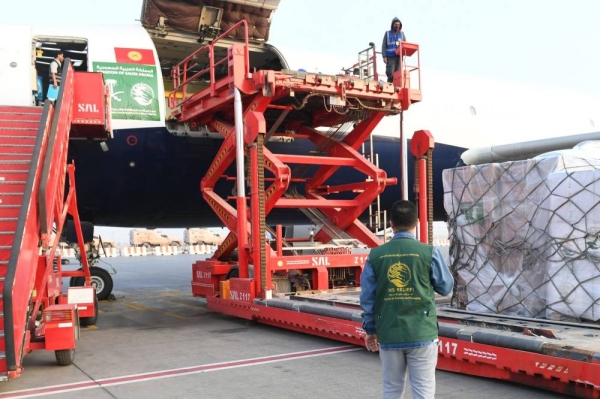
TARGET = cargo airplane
(149,174)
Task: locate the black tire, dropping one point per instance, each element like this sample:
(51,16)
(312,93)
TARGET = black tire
(65,261)
(65,357)
(76,281)
(101,276)
(233,256)
(100,279)
(90,321)
(234,272)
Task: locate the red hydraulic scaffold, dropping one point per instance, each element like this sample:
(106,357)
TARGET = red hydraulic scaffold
(36,314)
(249,108)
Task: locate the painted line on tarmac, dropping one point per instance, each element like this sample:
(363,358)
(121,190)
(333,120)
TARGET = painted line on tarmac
(156,375)
(137,306)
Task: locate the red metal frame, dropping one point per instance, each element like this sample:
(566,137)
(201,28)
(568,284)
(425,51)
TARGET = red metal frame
(567,376)
(323,326)
(50,212)
(27,263)
(557,374)
(421,142)
(181,79)
(265,90)
(56,208)
(262,90)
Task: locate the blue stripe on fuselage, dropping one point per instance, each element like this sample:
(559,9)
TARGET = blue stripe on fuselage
(150,178)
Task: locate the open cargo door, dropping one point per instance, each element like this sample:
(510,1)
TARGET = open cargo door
(180,28)
(210,18)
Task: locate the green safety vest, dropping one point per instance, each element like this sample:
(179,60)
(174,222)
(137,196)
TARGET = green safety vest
(405,300)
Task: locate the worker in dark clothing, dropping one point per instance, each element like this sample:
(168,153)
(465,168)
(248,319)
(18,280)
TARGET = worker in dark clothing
(391,41)
(55,70)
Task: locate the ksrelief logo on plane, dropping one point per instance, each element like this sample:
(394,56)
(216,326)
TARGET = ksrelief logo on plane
(88,107)
(142,94)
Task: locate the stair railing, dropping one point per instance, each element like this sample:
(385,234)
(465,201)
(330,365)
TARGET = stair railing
(23,260)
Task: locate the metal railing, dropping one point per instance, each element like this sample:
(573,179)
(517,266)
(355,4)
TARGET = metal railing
(406,51)
(366,67)
(16,300)
(53,177)
(179,73)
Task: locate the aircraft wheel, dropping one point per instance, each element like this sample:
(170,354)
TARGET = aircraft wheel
(103,283)
(101,279)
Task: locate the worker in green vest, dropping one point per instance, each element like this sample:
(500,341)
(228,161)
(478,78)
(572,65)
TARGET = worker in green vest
(398,286)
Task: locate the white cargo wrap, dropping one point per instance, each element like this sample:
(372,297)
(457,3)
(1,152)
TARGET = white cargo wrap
(525,236)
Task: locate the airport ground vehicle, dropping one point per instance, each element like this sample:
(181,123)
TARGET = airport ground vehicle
(99,243)
(196,236)
(38,194)
(310,285)
(151,238)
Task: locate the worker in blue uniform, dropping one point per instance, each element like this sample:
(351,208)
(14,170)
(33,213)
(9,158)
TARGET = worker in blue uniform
(391,41)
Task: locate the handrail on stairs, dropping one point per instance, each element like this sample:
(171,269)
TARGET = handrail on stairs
(53,176)
(12,325)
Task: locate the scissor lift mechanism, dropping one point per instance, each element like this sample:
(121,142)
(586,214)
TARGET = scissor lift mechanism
(248,108)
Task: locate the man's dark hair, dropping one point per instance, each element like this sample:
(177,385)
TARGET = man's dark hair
(404,215)
(60,52)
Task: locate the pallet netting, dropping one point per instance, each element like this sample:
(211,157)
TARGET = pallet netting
(525,236)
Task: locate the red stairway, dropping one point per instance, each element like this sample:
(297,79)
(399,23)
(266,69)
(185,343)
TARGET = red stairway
(35,312)
(18,146)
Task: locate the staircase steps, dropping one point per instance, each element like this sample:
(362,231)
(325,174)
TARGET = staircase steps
(18,134)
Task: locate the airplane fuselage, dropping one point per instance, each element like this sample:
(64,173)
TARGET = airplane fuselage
(150,176)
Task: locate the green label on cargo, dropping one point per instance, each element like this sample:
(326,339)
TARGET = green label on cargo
(134,90)
(473,212)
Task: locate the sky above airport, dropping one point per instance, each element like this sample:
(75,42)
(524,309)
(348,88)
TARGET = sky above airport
(539,42)
(546,43)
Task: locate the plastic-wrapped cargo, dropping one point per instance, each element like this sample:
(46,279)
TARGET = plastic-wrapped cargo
(525,236)
(573,260)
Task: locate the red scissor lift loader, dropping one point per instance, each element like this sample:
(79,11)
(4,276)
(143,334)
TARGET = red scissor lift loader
(250,108)
(33,168)
(303,286)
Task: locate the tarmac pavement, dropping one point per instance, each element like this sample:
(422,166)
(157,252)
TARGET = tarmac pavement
(157,341)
